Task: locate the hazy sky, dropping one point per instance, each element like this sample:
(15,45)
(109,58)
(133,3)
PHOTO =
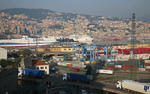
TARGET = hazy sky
(122,8)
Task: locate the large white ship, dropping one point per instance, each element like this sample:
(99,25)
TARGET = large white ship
(25,41)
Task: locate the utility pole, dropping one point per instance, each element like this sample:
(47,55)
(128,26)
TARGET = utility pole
(132,55)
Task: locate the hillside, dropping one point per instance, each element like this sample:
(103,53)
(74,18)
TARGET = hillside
(43,22)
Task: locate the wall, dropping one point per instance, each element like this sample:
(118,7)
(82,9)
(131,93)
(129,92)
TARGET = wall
(44,69)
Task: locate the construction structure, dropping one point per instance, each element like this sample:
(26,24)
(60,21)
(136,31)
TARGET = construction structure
(132,55)
(92,51)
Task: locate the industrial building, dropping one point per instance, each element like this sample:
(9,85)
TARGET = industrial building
(3,53)
(56,49)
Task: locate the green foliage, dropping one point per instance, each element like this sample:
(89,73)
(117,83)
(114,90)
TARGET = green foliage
(88,70)
(24,52)
(5,63)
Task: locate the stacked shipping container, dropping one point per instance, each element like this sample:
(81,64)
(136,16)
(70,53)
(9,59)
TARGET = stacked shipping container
(136,51)
(147,65)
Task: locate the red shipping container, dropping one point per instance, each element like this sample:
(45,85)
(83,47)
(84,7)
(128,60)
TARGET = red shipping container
(111,66)
(68,59)
(147,69)
(101,52)
(147,64)
(100,48)
(126,51)
(128,67)
(145,50)
(119,51)
(136,51)
(107,53)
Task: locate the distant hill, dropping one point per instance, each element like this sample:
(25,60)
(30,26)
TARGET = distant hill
(37,13)
(32,13)
(43,13)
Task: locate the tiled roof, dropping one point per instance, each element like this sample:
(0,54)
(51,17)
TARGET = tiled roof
(38,62)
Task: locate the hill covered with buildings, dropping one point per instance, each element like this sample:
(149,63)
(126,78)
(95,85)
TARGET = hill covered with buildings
(43,22)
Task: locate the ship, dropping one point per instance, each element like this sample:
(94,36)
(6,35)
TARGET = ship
(26,41)
(50,41)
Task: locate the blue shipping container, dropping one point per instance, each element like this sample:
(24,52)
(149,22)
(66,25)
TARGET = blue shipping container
(35,73)
(78,77)
(110,63)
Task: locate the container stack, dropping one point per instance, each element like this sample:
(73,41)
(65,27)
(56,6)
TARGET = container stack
(111,67)
(147,65)
(142,64)
(118,67)
(129,67)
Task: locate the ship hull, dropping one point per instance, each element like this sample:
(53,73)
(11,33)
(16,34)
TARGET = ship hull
(27,42)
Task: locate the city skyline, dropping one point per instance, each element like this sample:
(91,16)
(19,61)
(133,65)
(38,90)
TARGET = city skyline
(115,8)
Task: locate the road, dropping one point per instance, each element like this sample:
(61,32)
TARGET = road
(57,84)
(93,85)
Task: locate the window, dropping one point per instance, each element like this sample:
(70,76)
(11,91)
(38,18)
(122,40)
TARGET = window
(42,67)
(45,67)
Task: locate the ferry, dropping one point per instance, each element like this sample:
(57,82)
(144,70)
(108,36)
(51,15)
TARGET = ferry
(26,41)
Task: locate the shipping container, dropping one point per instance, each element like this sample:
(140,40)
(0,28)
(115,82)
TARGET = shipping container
(147,61)
(136,51)
(118,66)
(142,69)
(147,67)
(129,67)
(147,64)
(77,77)
(62,64)
(111,66)
(34,73)
(104,71)
(110,63)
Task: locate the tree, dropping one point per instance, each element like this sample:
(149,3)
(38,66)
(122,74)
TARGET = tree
(88,70)
(5,63)
(24,52)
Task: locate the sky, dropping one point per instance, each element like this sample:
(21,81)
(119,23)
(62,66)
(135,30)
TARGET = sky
(114,8)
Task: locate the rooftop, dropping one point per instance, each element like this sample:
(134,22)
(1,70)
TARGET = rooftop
(38,62)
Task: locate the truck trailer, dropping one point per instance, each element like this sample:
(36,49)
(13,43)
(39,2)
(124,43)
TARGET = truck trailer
(77,77)
(134,86)
(31,73)
(104,71)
